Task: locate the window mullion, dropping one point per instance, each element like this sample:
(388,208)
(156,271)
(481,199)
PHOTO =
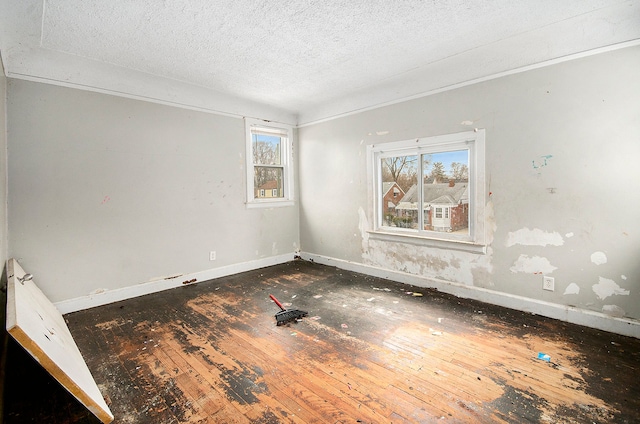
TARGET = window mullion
(378,203)
(258,165)
(420,206)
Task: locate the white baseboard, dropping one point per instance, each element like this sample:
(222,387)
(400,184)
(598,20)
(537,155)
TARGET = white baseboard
(592,319)
(111,296)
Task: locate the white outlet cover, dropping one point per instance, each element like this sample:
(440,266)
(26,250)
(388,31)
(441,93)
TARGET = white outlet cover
(548,283)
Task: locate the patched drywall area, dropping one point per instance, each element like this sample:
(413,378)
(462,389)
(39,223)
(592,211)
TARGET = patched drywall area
(107,192)
(561,153)
(449,265)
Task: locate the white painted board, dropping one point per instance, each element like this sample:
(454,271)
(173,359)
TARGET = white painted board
(39,327)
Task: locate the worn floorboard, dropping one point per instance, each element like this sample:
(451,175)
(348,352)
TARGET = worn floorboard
(369,352)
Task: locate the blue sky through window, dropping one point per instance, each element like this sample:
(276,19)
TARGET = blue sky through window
(447,158)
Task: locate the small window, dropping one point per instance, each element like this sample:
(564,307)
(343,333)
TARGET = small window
(442,179)
(269,164)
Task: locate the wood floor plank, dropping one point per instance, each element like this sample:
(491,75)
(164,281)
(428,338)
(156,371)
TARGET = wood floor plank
(368,352)
(312,375)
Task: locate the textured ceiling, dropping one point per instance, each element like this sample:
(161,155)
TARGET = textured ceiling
(297,60)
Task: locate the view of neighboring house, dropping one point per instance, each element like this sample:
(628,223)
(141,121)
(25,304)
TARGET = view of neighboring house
(446,206)
(392,194)
(268,189)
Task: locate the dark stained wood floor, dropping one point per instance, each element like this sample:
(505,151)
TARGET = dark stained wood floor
(370,351)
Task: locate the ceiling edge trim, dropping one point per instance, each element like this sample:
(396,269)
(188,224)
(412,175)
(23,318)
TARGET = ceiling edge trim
(143,98)
(544,64)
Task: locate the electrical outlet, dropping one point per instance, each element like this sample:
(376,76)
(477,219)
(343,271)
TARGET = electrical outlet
(212,255)
(548,283)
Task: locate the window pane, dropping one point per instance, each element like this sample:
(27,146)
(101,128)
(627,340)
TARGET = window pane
(446,191)
(399,191)
(266,149)
(268,182)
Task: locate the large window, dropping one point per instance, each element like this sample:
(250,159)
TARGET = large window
(269,164)
(438,184)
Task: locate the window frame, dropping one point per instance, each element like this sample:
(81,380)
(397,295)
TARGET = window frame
(474,141)
(286,152)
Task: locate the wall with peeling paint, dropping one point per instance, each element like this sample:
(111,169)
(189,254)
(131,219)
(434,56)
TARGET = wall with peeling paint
(107,192)
(562,151)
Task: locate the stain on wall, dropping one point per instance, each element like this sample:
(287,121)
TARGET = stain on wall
(547,159)
(606,288)
(535,237)
(614,311)
(572,288)
(448,265)
(532,265)
(599,258)
(541,162)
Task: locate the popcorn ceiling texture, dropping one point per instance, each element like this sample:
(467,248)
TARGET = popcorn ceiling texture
(310,58)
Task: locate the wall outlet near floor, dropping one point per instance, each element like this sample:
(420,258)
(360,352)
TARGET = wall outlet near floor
(548,283)
(212,255)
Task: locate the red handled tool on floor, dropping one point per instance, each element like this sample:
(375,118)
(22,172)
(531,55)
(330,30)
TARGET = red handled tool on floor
(287,315)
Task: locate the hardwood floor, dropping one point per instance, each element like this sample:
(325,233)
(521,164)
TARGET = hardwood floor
(370,351)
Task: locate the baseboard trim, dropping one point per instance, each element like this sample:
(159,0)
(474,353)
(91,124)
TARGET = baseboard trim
(592,319)
(112,296)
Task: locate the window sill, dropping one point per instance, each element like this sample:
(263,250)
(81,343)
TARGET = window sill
(465,246)
(269,204)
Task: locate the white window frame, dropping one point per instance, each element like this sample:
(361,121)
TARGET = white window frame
(286,132)
(474,141)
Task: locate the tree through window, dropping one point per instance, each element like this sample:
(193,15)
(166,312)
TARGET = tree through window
(441,181)
(269,171)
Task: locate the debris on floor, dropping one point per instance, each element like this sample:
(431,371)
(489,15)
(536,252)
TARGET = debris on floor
(544,357)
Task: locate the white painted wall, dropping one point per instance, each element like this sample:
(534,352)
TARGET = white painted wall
(583,113)
(3,166)
(107,192)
